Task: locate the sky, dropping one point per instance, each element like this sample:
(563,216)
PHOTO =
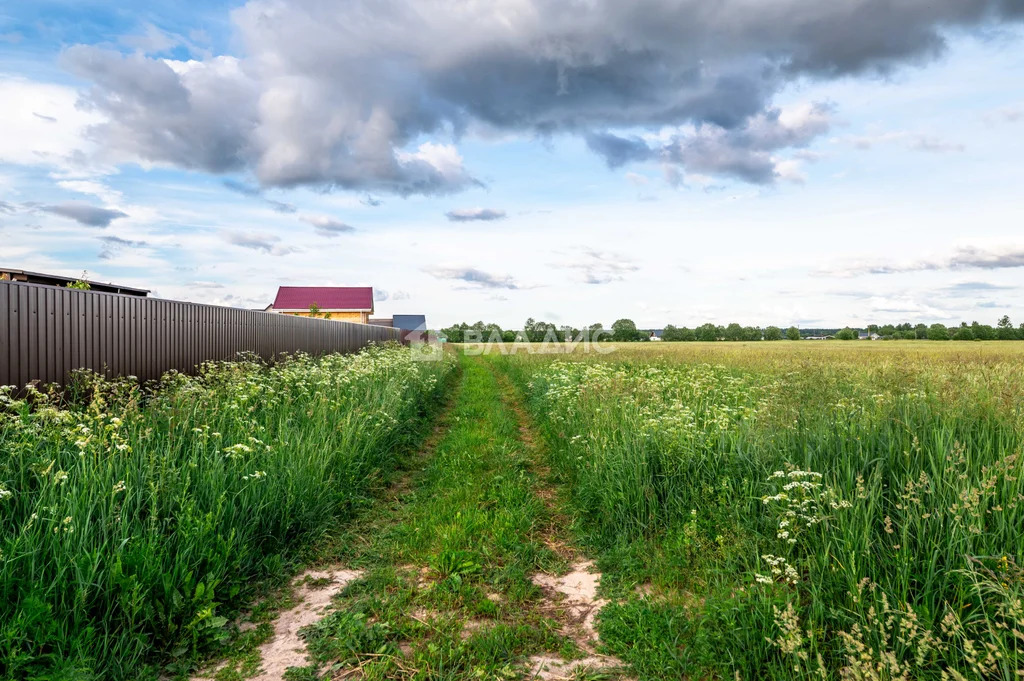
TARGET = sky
(577,161)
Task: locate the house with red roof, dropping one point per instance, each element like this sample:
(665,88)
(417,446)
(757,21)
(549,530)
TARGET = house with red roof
(341,303)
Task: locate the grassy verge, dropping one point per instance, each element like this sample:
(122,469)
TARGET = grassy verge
(134,526)
(447,592)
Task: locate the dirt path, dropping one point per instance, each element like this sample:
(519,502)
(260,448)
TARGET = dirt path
(464,570)
(572,595)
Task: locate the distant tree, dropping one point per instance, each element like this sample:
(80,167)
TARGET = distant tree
(983,331)
(773,333)
(687,335)
(887,330)
(454,333)
(873,328)
(569,333)
(734,332)
(792,333)
(537,332)
(938,332)
(751,333)
(1005,330)
(599,332)
(625,330)
(1020,331)
(846,334)
(671,333)
(921,331)
(707,332)
(964,333)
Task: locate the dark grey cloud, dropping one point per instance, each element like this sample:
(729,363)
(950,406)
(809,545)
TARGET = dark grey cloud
(113,244)
(963,258)
(344,95)
(264,243)
(745,152)
(471,214)
(474,277)
(118,241)
(328,227)
(618,151)
(257,193)
(370,201)
(85,214)
(48,119)
(7,208)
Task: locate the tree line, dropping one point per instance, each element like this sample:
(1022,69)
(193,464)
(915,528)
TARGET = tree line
(625,330)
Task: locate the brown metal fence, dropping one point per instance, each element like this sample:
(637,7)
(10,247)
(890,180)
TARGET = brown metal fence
(48,332)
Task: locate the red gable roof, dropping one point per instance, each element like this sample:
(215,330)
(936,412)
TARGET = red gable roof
(325,297)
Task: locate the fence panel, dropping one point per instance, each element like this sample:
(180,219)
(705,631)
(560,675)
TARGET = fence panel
(47,332)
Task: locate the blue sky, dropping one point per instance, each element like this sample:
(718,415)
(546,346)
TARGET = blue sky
(214,151)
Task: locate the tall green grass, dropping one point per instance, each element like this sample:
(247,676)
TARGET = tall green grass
(824,519)
(132,524)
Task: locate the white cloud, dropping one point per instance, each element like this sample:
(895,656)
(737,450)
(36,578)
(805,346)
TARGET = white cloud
(42,124)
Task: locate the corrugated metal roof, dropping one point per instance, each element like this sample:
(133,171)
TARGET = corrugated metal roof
(409,322)
(325,297)
(61,280)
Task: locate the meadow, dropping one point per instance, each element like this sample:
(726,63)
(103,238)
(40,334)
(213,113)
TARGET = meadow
(797,509)
(781,510)
(136,522)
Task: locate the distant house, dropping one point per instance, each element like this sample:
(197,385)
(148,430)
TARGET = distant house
(655,335)
(8,274)
(340,303)
(864,335)
(413,326)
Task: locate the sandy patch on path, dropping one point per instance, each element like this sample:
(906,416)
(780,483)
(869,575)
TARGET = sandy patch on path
(312,600)
(286,648)
(579,588)
(575,594)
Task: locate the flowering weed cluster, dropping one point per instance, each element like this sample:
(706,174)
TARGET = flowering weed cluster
(821,516)
(132,522)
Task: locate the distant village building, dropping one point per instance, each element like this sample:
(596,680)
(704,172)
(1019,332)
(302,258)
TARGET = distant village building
(340,303)
(413,326)
(655,336)
(8,274)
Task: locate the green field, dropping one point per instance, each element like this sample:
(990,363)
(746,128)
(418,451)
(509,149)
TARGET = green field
(135,525)
(785,510)
(791,510)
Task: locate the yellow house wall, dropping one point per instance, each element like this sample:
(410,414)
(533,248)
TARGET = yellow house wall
(358,317)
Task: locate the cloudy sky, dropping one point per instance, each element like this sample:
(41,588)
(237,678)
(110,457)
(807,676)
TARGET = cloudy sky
(673,161)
